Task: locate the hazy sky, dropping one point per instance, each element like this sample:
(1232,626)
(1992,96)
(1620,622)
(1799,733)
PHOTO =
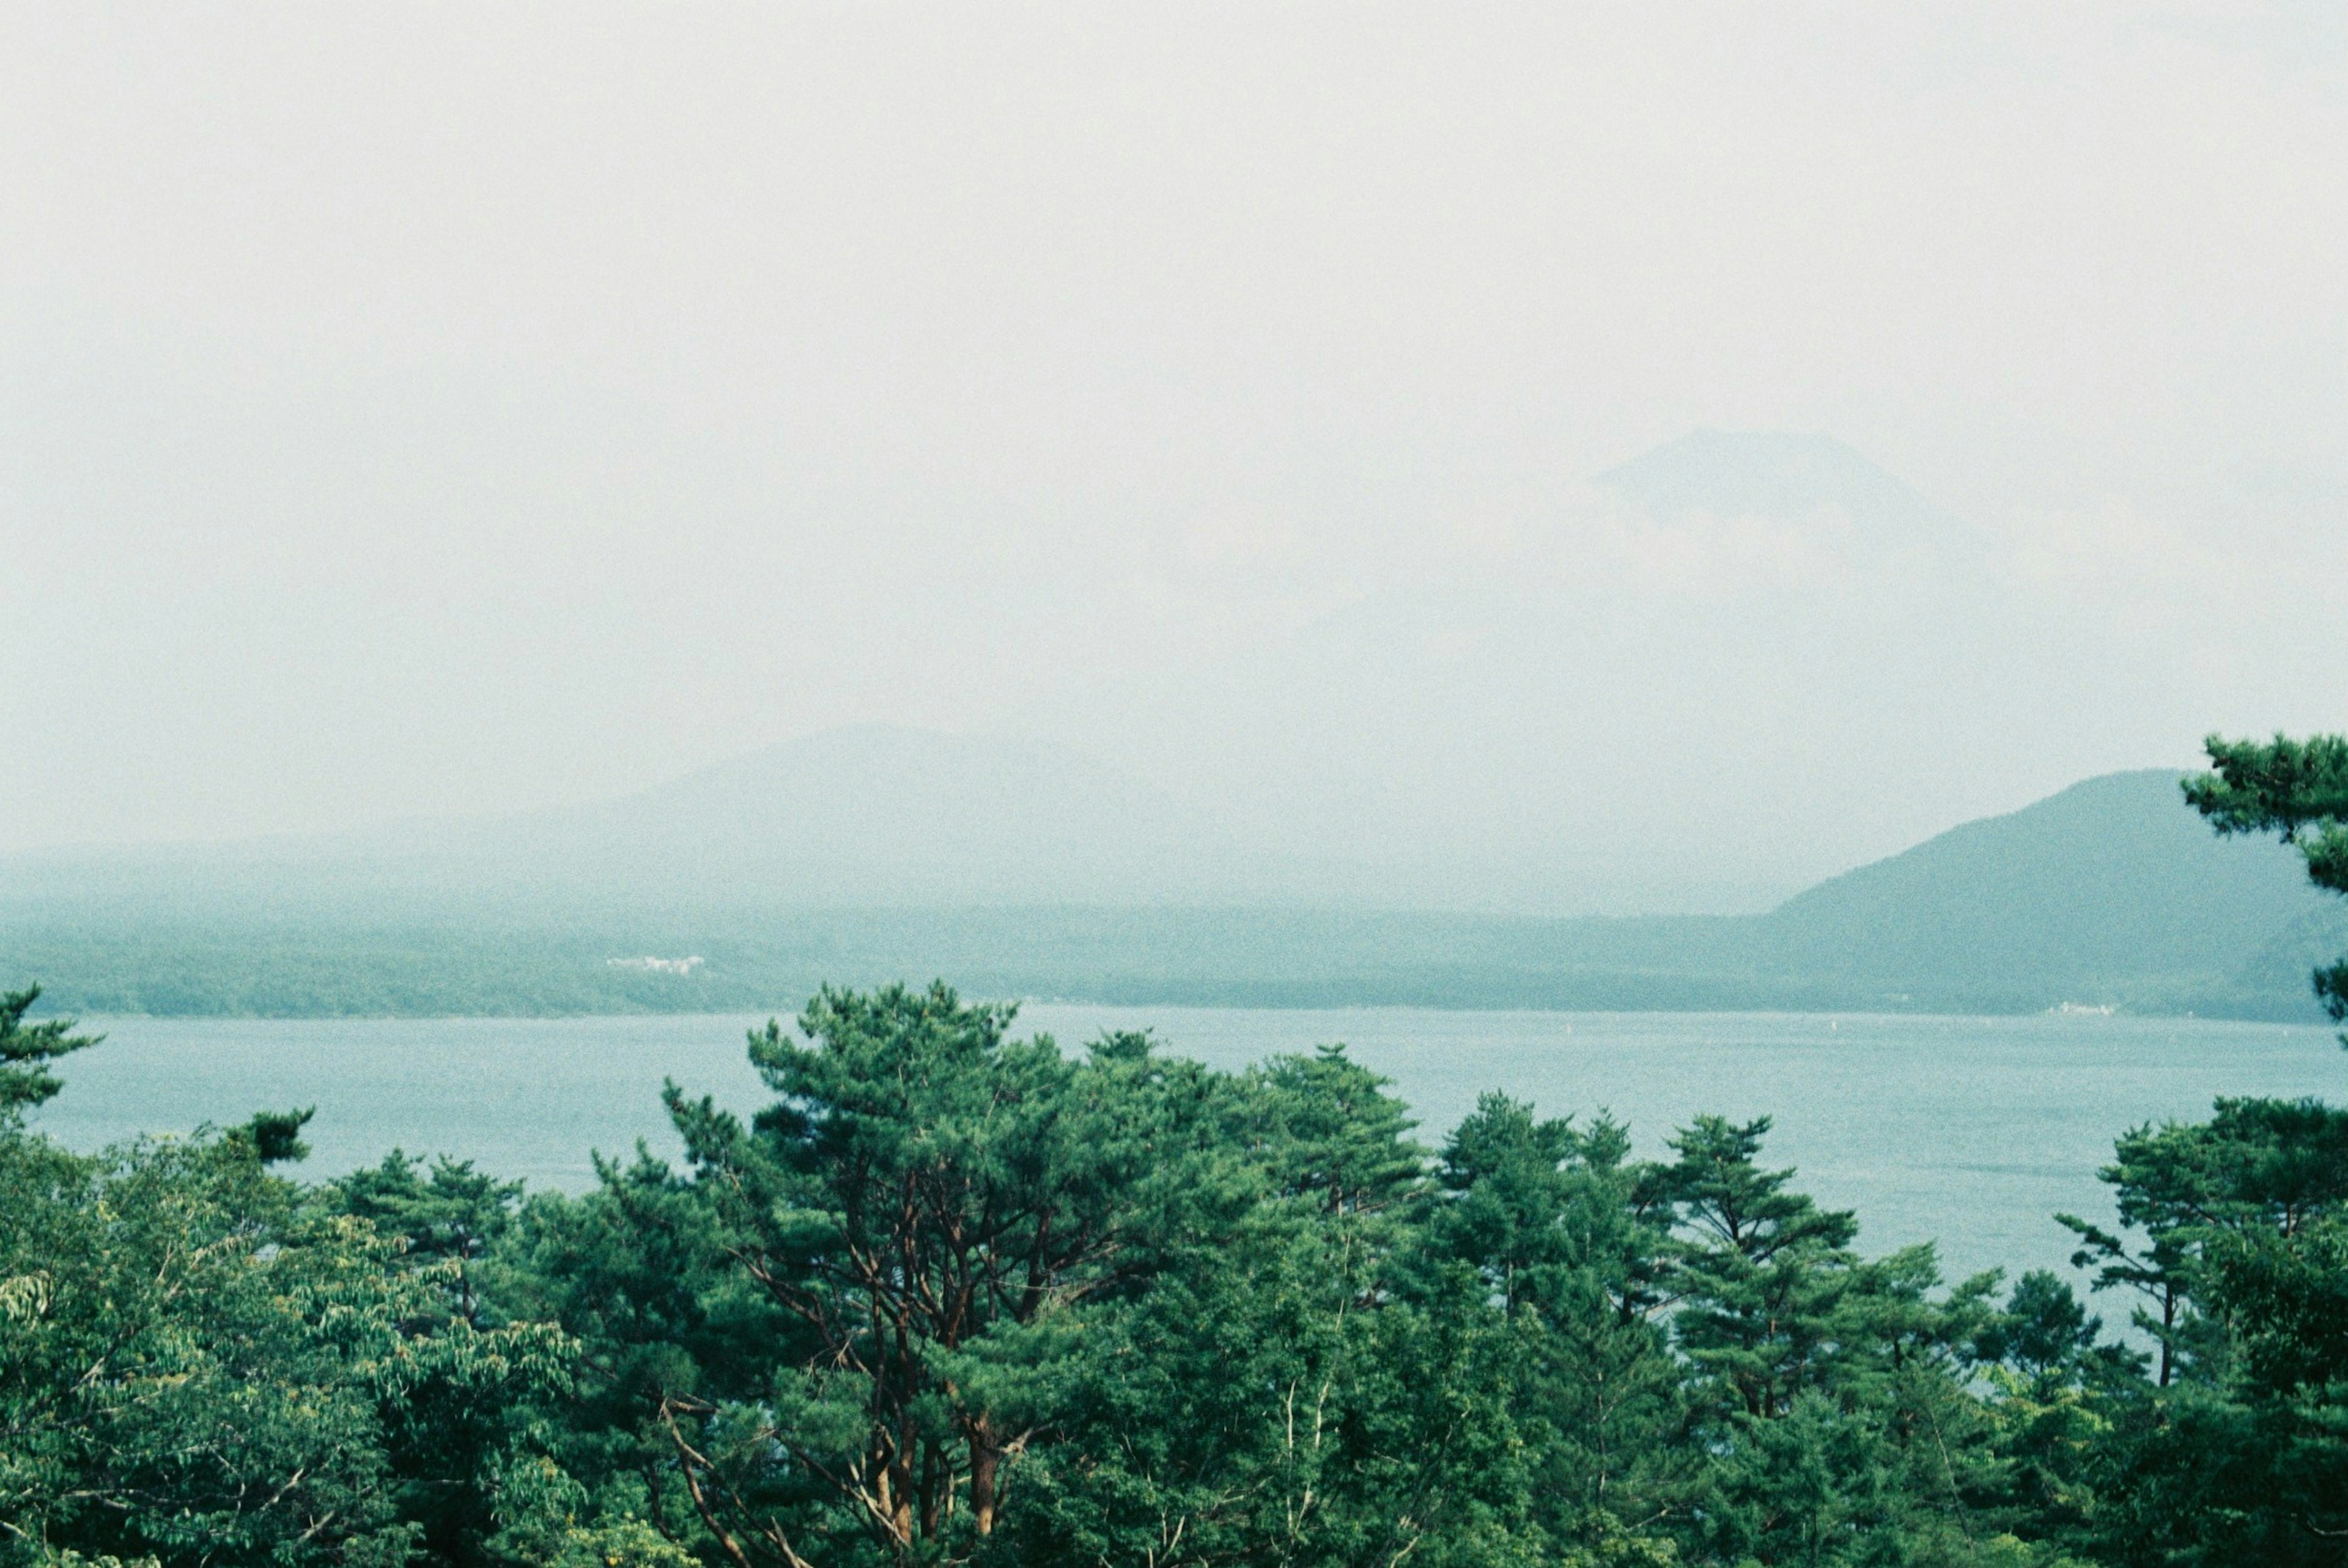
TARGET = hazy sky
(419,409)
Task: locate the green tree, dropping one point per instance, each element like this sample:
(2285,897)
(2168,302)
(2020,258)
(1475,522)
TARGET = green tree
(1299,1382)
(1762,1274)
(201,1362)
(453,1215)
(2043,1334)
(1834,1396)
(196,1365)
(639,1272)
(2235,1454)
(927,1205)
(2298,789)
(1557,1224)
(26,1052)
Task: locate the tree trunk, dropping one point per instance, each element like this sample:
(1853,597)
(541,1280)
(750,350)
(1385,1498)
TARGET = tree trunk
(985,1472)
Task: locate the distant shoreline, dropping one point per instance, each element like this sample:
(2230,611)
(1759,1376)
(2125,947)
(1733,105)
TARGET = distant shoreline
(2110,894)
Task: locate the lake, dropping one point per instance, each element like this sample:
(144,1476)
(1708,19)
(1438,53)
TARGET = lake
(1971,1130)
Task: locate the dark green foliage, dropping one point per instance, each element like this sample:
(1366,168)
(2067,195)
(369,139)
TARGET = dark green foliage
(2298,789)
(275,1136)
(27,1049)
(450,1218)
(924,1207)
(956,1297)
(1574,1257)
(2232,1451)
(201,1362)
(2044,1333)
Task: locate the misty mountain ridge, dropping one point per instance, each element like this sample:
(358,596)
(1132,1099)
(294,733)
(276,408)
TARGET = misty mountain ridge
(860,816)
(871,809)
(1784,477)
(1644,696)
(1629,721)
(857,815)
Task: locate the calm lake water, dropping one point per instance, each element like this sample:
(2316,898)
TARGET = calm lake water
(1972,1131)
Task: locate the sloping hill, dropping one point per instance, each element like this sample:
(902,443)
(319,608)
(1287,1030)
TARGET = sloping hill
(2111,891)
(875,814)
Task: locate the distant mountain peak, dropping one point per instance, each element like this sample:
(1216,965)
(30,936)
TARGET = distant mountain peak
(1782,476)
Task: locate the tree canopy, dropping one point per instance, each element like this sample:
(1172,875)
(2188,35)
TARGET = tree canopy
(2298,789)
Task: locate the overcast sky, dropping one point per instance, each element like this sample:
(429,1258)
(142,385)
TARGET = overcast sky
(411,409)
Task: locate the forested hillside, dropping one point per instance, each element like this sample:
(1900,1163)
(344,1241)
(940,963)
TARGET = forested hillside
(2108,892)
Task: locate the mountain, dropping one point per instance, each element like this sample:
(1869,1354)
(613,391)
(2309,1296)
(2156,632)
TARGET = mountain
(2110,891)
(1702,682)
(1785,476)
(873,814)
(866,815)
(1712,676)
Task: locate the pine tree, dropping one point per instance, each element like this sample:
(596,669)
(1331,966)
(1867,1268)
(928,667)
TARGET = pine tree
(26,1049)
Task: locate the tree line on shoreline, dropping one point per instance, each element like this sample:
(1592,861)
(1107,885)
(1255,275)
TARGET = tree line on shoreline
(960,1297)
(2102,894)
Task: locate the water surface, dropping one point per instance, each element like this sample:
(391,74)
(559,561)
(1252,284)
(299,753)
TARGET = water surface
(1968,1131)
